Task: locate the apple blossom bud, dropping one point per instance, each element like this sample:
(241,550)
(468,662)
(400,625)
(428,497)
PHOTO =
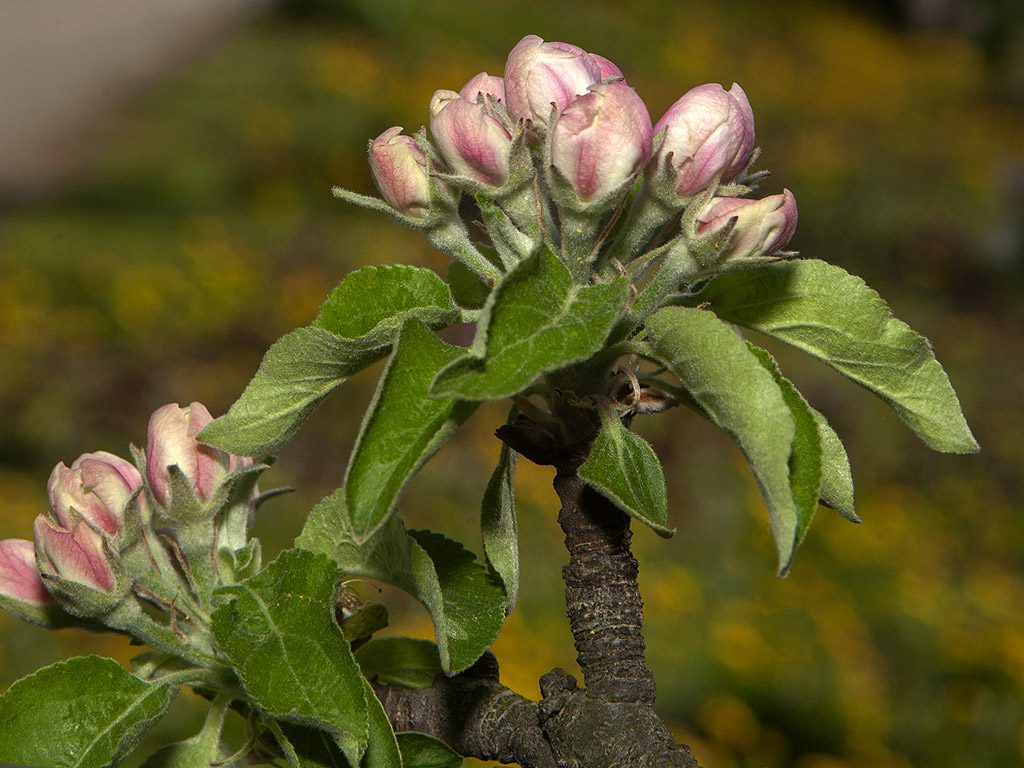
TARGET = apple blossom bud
(19,574)
(171,440)
(399,168)
(96,487)
(762,226)
(539,74)
(608,68)
(709,133)
(77,555)
(602,140)
(486,85)
(474,144)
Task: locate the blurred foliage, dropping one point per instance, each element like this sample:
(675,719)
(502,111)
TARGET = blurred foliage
(206,230)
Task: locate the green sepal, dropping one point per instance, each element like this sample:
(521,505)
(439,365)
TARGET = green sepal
(535,321)
(834,316)
(623,468)
(279,633)
(86,712)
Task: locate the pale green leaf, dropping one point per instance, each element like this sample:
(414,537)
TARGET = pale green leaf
(623,467)
(203,749)
(836,478)
(86,712)
(834,316)
(499,526)
(280,635)
(736,393)
(535,321)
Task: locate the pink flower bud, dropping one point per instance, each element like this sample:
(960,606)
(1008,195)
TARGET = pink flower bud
(399,168)
(488,85)
(473,143)
(76,555)
(762,226)
(19,574)
(96,487)
(171,440)
(608,68)
(539,74)
(602,140)
(709,132)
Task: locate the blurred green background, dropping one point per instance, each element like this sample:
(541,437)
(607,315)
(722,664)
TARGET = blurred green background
(205,229)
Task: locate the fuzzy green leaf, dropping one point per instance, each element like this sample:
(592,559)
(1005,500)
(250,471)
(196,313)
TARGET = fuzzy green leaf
(355,328)
(499,526)
(464,601)
(203,749)
(422,751)
(299,370)
(370,304)
(405,661)
(401,429)
(805,462)
(623,467)
(536,321)
(736,393)
(280,635)
(86,712)
(834,316)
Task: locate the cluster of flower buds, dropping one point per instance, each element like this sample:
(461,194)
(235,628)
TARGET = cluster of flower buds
(96,551)
(561,148)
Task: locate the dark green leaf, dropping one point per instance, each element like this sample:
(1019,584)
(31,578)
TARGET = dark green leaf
(499,527)
(731,386)
(280,635)
(468,288)
(465,603)
(297,373)
(371,303)
(85,712)
(402,428)
(405,661)
(623,467)
(805,463)
(834,316)
(422,751)
(534,322)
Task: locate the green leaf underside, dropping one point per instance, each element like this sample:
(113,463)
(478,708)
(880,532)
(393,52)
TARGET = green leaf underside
(836,478)
(623,467)
(464,601)
(354,329)
(535,321)
(832,315)
(371,303)
(280,635)
(201,750)
(402,428)
(422,751)
(737,394)
(85,712)
(499,527)
(805,462)
(406,661)
(298,371)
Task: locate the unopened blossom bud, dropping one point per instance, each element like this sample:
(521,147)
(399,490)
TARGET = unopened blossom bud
(485,85)
(474,144)
(539,74)
(762,226)
(77,555)
(171,441)
(19,574)
(709,133)
(608,68)
(602,140)
(399,168)
(96,487)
